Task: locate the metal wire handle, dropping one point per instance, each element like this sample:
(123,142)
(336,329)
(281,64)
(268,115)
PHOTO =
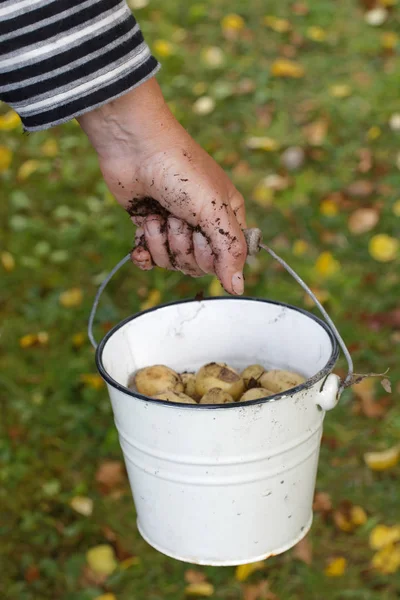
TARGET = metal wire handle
(254,244)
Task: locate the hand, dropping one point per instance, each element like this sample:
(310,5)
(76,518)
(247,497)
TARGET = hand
(189,214)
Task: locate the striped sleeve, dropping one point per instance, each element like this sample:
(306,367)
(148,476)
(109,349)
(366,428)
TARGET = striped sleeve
(62,58)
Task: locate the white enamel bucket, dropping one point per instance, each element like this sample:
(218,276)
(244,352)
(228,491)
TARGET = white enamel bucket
(222,484)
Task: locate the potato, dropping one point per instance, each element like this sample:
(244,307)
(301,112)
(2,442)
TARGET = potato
(252,372)
(151,381)
(219,375)
(189,384)
(280,381)
(216,396)
(256,394)
(172,396)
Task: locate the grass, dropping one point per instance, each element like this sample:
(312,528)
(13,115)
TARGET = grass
(65,231)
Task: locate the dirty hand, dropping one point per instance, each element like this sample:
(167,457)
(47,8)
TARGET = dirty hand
(189,214)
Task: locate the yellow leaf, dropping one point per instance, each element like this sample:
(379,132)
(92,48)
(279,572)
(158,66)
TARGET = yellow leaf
(328,208)
(387,560)
(199,88)
(322,296)
(326,265)
(153,299)
(316,34)
(9,121)
(383,248)
(262,143)
(101,559)
(389,40)
(287,68)
(5,158)
(106,597)
(279,25)
(244,571)
(8,261)
(215,288)
(382,536)
(43,338)
(358,515)
(199,589)
(340,90)
(336,567)
(373,133)
(396,208)
(82,505)
(27,168)
(232,22)
(92,380)
(78,339)
(300,247)
(163,48)
(381,461)
(49,148)
(130,562)
(263,195)
(71,298)
(28,340)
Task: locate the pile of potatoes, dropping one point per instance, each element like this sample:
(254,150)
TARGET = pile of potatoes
(215,383)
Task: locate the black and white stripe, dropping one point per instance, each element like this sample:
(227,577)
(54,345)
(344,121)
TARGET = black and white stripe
(61,58)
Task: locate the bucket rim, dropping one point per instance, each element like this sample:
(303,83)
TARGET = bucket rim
(322,374)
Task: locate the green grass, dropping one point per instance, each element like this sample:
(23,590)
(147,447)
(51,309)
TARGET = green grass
(64,230)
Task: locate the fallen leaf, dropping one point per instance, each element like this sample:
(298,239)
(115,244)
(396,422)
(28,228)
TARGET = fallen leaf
(293,158)
(28,340)
(32,573)
(303,551)
(365,392)
(300,8)
(322,503)
(215,288)
(92,380)
(49,148)
(192,576)
(376,17)
(287,68)
(262,143)
(362,188)
(316,34)
(106,597)
(374,133)
(389,40)
(153,299)
(5,158)
(363,220)
(71,298)
(10,120)
(277,24)
(101,559)
(327,265)
(336,567)
(242,572)
(315,132)
(8,261)
(300,247)
(385,383)
(396,208)
(383,247)
(203,105)
(163,48)
(258,591)
(365,162)
(213,56)
(328,207)
(382,536)
(340,90)
(27,169)
(199,589)
(232,23)
(127,563)
(110,475)
(387,560)
(78,339)
(382,461)
(348,517)
(82,505)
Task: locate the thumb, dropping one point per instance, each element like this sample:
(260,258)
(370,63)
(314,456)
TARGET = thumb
(220,225)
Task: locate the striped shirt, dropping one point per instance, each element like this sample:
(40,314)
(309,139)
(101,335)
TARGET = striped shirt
(62,58)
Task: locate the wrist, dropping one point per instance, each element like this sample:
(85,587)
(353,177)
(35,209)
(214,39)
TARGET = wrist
(125,125)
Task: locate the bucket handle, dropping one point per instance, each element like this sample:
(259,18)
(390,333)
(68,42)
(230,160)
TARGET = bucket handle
(254,243)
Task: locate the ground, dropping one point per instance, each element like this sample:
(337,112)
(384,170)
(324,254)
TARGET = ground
(330,207)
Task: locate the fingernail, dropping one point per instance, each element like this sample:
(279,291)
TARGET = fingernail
(175,225)
(238,283)
(152,227)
